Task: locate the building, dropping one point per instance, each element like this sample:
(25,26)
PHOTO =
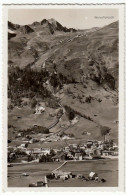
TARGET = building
(33,140)
(67,149)
(39,109)
(89,151)
(45,151)
(29,151)
(60,156)
(97,152)
(89,143)
(93,175)
(73,146)
(78,156)
(39,151)
(62,175)
(106,153)
(69,156)
(115,152)
(42,139)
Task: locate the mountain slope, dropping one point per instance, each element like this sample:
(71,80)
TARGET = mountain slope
(79,69)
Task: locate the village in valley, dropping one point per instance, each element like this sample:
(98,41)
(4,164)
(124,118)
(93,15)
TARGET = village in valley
(62,105)
(93,149)
(89,150)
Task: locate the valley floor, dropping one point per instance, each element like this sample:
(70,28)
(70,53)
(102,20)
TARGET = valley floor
(107,169)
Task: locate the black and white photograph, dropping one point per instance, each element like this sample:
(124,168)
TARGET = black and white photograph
(63,93)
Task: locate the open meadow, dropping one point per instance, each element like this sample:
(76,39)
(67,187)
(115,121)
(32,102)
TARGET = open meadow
(107,169)
(35,171)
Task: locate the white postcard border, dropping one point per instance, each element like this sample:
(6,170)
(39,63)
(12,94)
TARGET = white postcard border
(121,99)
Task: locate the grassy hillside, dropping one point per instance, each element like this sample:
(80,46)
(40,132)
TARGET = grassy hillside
(53,66)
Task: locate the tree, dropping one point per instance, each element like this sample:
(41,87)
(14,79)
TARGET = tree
(30,158)
(104,131)
(52,152)
(33,103)
(71,115)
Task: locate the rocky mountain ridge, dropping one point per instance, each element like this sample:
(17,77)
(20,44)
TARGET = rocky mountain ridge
(51,24)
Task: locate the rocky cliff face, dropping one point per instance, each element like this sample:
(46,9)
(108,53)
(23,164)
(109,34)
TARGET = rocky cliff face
(12,26)
(26,29)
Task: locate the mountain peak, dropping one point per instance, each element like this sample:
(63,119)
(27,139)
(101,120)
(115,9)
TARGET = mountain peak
(55,26)
(43,21)
(52,21)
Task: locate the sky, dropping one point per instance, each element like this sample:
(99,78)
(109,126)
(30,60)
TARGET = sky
(71,18)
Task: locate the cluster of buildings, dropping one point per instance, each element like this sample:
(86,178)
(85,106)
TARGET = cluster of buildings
(51,137)
(59,174)
(93,149)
